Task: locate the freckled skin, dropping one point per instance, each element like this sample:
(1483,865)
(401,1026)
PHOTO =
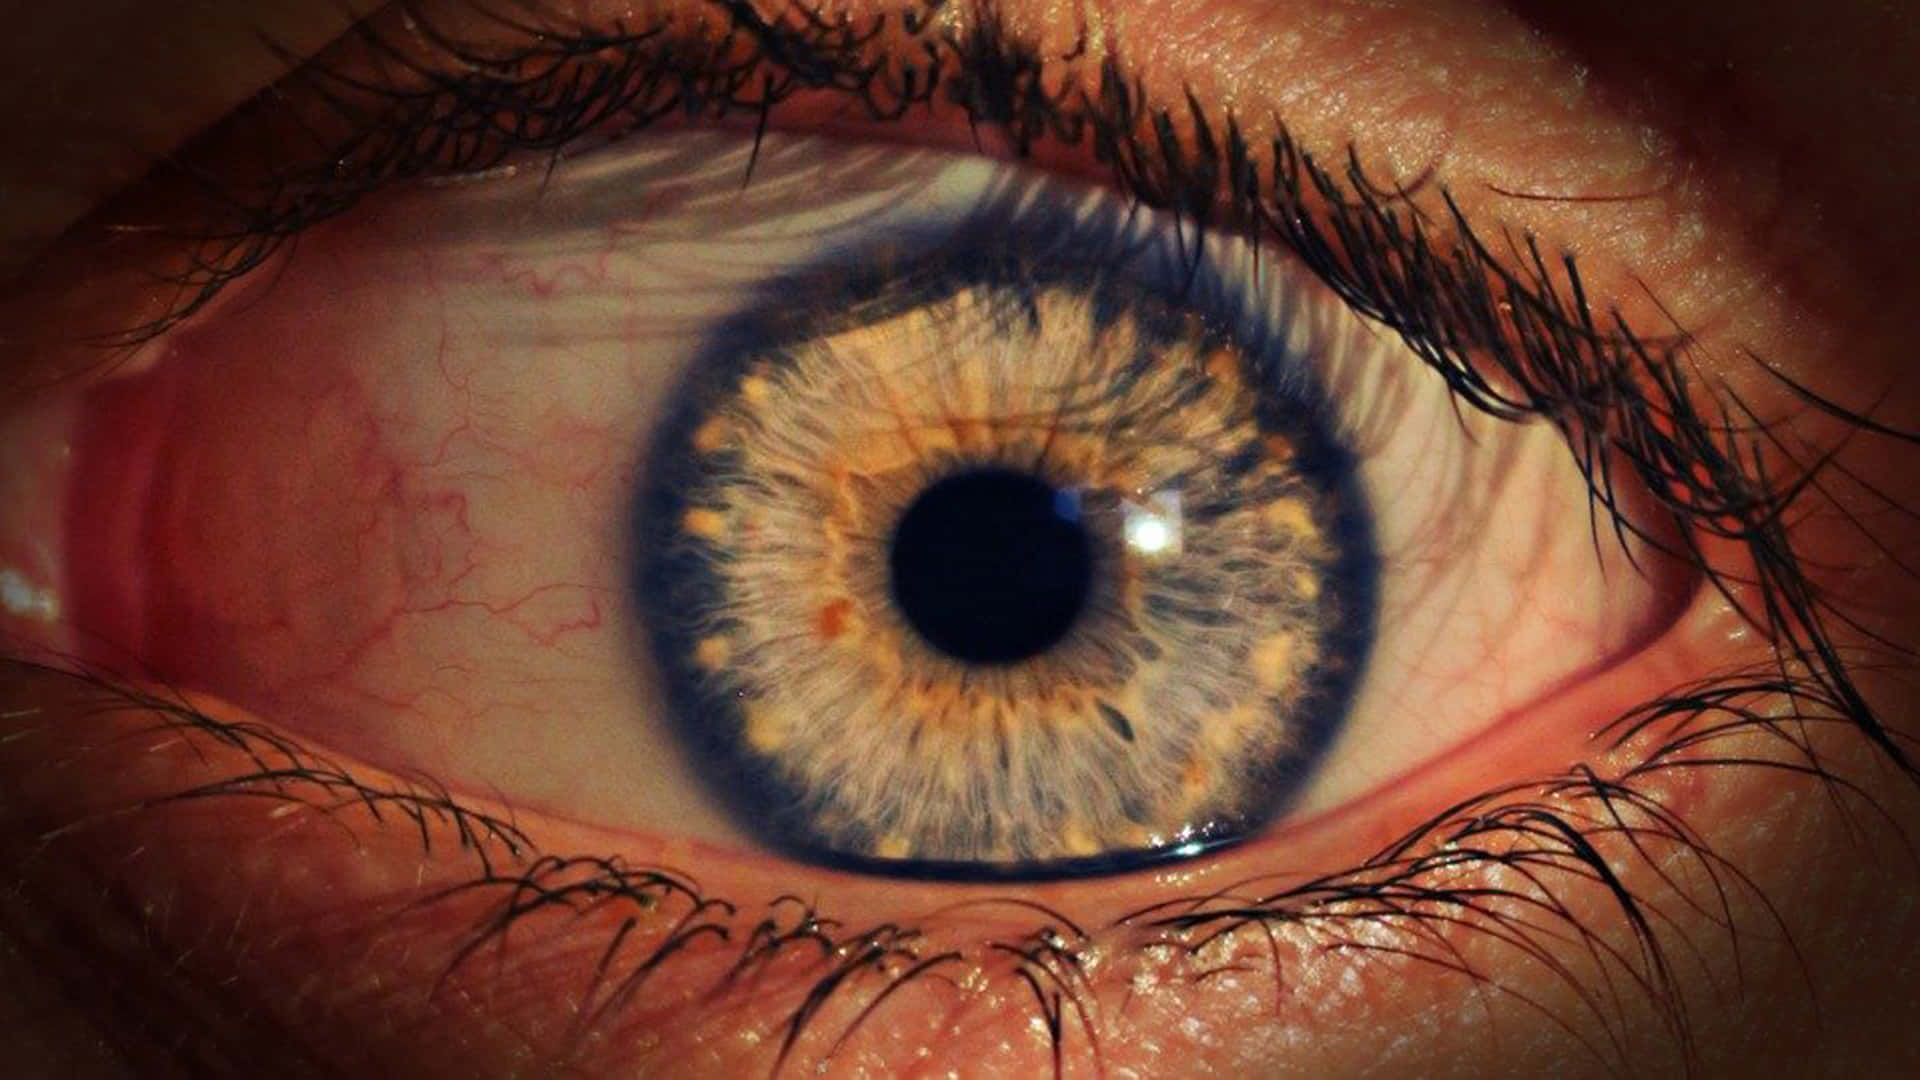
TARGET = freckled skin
(1768,88)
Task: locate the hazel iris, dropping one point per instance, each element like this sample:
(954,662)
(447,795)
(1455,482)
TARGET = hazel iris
(994,562)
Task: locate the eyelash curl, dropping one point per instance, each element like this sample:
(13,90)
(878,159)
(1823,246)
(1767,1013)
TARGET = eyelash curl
(1515,336)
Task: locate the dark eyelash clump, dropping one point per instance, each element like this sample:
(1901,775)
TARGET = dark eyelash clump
(1515,336)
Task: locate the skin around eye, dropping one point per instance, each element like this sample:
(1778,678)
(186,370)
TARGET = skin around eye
(1860,917)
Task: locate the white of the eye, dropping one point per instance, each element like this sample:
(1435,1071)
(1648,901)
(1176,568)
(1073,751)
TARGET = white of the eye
(572,303)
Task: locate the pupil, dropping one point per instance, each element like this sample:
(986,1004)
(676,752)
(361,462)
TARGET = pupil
(991,566)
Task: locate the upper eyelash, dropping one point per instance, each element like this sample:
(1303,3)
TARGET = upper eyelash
(1515,343)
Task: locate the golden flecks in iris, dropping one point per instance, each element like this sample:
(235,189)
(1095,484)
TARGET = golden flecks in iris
(876,450)
(1273,661)
(711,435)
(833,538)
(1196,779)
(1073,456)
(1077,842)
(1224,732)
(1224,365)
(1294,518)
(910,754)
(885,664)
(1068,700)
(931,437)
(712,653)
(766,728)
(704,523)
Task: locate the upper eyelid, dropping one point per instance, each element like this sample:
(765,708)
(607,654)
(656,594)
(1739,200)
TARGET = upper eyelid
(1514,335)
(422,102)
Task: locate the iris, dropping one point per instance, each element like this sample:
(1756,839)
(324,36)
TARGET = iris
(1021,553)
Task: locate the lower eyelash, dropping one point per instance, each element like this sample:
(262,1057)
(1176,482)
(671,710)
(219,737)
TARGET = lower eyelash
(1504,867)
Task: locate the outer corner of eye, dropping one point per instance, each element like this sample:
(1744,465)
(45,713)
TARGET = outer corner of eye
(942,536)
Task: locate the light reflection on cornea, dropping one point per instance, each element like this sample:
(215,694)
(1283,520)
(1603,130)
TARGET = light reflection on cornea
(1153,527)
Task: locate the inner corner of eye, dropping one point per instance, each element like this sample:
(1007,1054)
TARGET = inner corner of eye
(960,523)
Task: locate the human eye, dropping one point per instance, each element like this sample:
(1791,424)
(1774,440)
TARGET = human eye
(564,927)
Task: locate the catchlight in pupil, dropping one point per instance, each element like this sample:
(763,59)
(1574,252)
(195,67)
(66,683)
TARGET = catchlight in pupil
(991,566)
(1016,552)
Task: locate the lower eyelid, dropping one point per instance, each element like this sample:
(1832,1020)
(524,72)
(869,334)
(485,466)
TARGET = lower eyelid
(358,837)
(391,888)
